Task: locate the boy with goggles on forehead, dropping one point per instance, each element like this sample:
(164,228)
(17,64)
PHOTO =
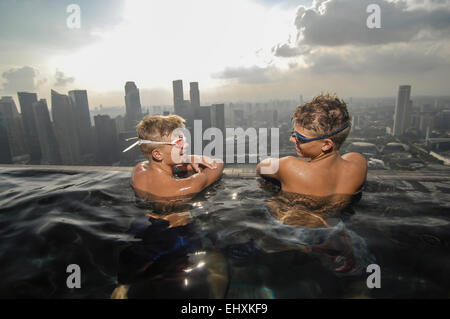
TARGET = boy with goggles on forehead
(320,128)
(162,142)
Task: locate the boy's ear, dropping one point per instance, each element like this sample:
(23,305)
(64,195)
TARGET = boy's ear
(157,155)
(327,145)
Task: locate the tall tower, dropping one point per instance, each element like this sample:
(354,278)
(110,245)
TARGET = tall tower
(14,126)
(133,106)
(46,134)
(181,106)
(5,150)
(178,96)
(26,101)
(80,107)
(194,95)
(107,143)
(403,109)
(65,128)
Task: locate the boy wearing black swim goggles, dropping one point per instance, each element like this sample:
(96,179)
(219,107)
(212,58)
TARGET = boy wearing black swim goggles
(320,128)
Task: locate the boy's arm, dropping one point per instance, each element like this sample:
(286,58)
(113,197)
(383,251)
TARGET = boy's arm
(167,186)
(193,163)
(203,178)
(213,174)
(213,168)
(274,168)
(190,185)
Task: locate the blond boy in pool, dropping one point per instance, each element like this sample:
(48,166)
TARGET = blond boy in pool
(320,128)
(162,142)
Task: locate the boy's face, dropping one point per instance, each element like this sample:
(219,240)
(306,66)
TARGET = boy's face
(309,149)
(174,154)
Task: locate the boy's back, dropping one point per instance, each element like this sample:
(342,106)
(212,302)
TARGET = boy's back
(334,175)
(320,128)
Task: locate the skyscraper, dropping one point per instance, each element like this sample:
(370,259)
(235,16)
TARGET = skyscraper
(5,151)
(218,117)
(26,101)
(426,119)
(107,146)
(80,107)
(194,95)
(14,128)
(133,106)
(178,96)
(181,106)
(65,128)
(217,120)
(403,109)
(47,139)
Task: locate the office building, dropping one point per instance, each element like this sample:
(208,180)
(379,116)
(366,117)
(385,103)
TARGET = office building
(26,101)
(194,95)
(133,106)
(47,139)
(14,129)
(218,117)
(80,107)
(181,106)
(178,96)
(65,128)
(107,146)
(403,110)
(5,151)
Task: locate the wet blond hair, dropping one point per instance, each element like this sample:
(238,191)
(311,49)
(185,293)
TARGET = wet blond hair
(155,128)
(324,114)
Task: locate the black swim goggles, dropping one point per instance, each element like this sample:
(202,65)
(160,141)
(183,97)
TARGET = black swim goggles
(303,139)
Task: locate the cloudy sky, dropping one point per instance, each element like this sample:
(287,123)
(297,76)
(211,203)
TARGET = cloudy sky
(236,49)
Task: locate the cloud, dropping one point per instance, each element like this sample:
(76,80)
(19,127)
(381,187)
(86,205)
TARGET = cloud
(284,3)
(343,22)
(286,51)
(427,4)
(41,25)
(254,74)
(351,70)
(334,50)
(383,61)
(62,80)
(22,79)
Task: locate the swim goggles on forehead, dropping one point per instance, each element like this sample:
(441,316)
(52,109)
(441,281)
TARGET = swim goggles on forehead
(176,142)
(303,139)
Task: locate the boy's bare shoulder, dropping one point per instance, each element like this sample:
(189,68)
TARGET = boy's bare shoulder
(356,159)
(139,171)
(288,165)
(359,164)
(143,176)
(289,162)
(280,165)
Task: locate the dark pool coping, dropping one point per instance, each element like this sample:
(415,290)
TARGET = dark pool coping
(245,172)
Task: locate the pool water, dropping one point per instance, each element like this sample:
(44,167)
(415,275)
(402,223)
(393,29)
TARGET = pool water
(231,246)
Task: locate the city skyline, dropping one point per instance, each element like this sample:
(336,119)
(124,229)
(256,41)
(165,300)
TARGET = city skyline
(69,138)
(236,55)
